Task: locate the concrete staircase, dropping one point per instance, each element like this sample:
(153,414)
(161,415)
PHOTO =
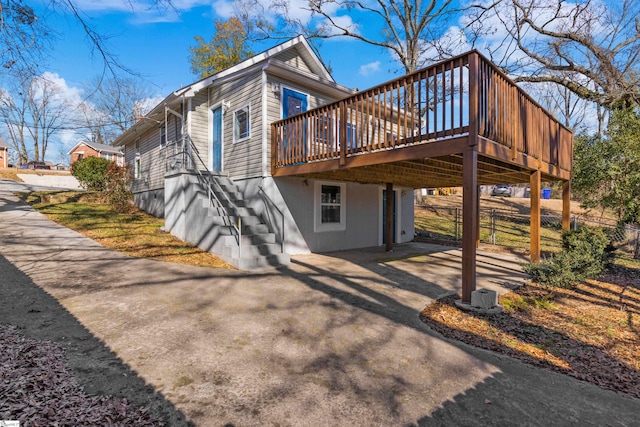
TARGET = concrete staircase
(258,248)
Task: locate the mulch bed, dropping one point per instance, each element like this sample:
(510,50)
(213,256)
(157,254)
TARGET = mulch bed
(37,389)
(591,333)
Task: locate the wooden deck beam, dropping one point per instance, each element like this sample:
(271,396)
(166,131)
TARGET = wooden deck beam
(444,147)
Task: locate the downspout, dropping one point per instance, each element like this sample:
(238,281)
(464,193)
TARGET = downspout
(265,122)
(187,132)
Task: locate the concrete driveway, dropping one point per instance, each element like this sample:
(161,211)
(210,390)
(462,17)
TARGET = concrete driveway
(333,340)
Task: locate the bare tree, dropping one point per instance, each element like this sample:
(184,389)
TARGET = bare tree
(590,47)
(24,36)
(13,111)
(33,112)
(113,106)
(566,106)
(48,110)
(411,30)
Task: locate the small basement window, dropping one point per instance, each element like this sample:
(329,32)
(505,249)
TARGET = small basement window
(330,207)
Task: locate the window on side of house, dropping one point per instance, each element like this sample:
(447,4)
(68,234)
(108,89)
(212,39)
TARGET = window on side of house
(137,165)
(242,124)
(177,127)
(330,207)
(163,135)
(137,162)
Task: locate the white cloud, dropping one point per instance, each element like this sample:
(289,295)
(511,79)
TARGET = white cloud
(143,11)
(70,95)
(145,105)
(343,21)
(370,68)
(223,8)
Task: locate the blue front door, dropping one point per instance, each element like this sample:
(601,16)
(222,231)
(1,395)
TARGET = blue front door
(294,103)
(216,140)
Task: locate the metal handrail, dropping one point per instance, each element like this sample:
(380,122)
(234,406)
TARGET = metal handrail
(260,188)
(208,182)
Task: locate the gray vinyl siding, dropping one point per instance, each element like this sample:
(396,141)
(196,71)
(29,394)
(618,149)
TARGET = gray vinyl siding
(293,58)
(200,124)
(241,159)
(151,161)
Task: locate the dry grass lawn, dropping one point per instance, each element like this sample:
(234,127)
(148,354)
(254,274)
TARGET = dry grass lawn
(134,233)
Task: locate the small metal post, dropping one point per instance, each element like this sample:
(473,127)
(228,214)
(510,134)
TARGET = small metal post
(239,237)
(455,224)
(493,226)
(575,223)
(636,252)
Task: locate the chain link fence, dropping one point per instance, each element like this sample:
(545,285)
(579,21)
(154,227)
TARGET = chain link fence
(512,229)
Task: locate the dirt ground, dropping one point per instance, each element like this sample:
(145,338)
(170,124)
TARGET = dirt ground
(513,204)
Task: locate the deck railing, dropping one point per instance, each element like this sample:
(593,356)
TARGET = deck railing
(463,96)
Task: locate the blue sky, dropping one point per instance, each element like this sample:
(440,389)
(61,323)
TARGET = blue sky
(157,46)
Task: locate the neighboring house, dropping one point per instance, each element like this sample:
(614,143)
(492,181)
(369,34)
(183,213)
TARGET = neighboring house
(85,149)
(271,157)
(4,153)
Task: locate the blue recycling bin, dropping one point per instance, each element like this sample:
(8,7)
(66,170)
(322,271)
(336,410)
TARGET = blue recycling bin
(546,193)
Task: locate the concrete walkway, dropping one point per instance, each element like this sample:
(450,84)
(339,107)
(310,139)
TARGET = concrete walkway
(333,340)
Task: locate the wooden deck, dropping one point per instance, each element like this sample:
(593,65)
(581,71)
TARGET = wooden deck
(458,123)
(412,131)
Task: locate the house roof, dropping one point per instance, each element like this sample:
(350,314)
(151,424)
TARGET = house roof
(319,78)
(4,143)
(101,148)
(299,43)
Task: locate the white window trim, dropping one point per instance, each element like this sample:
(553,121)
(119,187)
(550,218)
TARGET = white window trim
(235,137)
(318,226)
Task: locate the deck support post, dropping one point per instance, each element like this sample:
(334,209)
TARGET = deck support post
(535,180)
(478,219)
(469,221)
(388,226)
(566,205)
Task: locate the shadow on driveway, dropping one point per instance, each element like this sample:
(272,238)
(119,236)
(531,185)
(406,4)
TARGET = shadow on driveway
(39,316)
